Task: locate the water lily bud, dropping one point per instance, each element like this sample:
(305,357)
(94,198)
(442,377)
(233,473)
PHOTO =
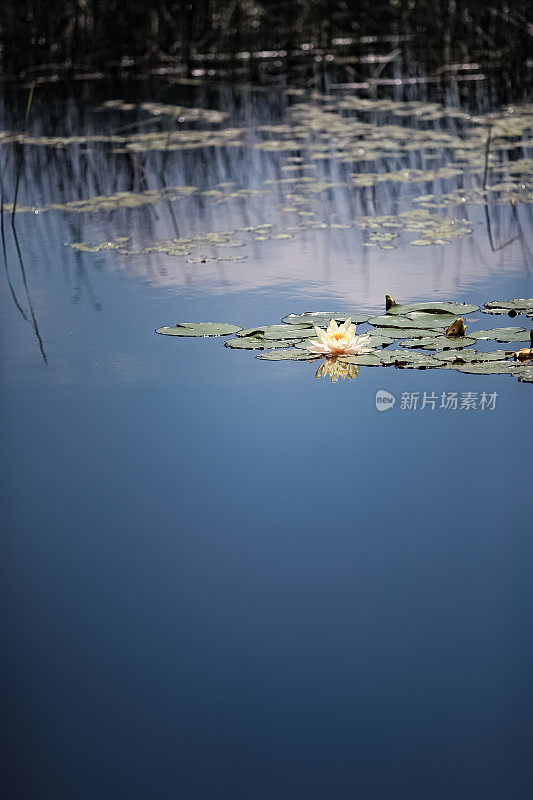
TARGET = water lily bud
(523,355)
(457,328)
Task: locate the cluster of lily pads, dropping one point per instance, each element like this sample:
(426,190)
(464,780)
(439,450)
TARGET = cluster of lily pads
(431,335)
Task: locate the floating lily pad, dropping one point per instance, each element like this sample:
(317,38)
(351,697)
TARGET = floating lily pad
(424,362)
(489,367)
(444,307)
(502,334)
(378,339)
(401,333)
(511,307)
(407,358)
(257,343)
(463,355)
(199,329)
(278,332)
(287,355)
(525,374)
(472,355)
(439,342)
(412,320)
(363,360)
(322,318)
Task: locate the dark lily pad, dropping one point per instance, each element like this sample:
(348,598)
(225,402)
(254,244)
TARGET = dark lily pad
(439,342)
(322,318)
(402,333)
(525,373)
(257,343)
(363,360)
(472,355)
(378,339)
(511,307)
(502,334)
(278,332)
(489,368)
(406,358)
(444,307)
(287,355)
(199,329)
(414,319)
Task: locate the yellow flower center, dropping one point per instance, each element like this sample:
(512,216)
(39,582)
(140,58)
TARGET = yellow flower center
(338,338)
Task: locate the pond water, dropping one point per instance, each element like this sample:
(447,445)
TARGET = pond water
(221,576)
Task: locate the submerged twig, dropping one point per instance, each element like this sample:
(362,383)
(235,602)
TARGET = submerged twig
(6,268)
(25,282)
(19,165)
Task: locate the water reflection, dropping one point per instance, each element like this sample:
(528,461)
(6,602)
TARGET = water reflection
(334,369)
(346,195)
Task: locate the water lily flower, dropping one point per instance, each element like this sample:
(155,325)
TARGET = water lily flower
(337,339)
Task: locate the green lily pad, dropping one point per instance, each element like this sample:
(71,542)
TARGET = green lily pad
(525,374)
(472,355)
(489,368)
(402,333)
(439,342)
(444,307)
(363,360)
(502,334)
(522,305)
(378,339)
(424,362)
(199,329)
(256,343)
(323,318)
(287,355)
(414,319)
(278,332)
(406,358)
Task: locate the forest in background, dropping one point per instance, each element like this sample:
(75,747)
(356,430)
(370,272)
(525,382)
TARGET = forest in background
(104,33)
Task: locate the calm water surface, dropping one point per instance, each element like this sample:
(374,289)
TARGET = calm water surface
(223,578)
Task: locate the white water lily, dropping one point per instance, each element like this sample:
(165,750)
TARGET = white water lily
(337,339)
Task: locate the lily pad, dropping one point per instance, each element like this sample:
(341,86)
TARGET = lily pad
(472,355)
(502,334)
(379,340)
(322,318)
(408,359)
(257,343)
(444,307)
(489,368)
(287,355)
(363,360)
(412,320)
(278,332)
(522,305)
(424,362)
(199,329)
(401,333)
(439,342)
(525,374)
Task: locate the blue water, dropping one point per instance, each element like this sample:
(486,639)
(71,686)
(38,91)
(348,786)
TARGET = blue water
(223,578)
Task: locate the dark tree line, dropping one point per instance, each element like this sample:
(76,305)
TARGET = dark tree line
(101,32)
